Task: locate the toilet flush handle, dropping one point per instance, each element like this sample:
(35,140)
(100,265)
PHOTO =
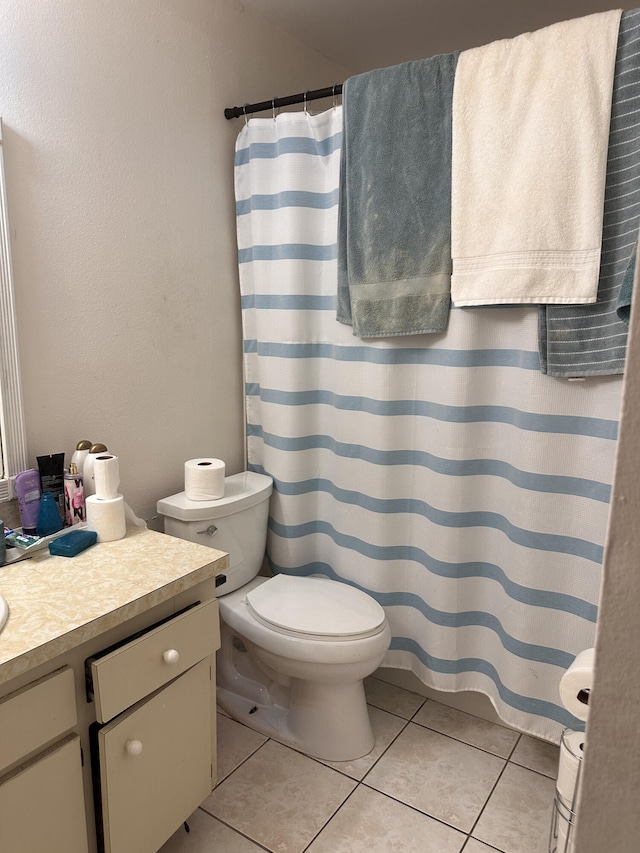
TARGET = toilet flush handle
(211,529)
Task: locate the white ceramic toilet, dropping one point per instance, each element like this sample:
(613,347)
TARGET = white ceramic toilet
(295,650)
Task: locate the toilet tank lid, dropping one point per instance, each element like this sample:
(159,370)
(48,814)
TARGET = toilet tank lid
(317,607)
(241,491)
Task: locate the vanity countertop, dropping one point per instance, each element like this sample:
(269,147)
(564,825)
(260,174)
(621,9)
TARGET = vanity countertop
(57,603)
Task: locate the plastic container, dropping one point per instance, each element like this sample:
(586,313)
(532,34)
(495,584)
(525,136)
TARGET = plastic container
(28,492)
(74,512)
(73,543)
(49,520)
(80,454)
(51,469)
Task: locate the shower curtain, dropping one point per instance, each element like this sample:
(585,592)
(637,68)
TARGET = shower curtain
(443,474)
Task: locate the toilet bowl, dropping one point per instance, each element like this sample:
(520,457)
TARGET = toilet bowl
(294,650)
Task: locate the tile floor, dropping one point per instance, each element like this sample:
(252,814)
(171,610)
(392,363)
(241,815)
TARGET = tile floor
(437,781)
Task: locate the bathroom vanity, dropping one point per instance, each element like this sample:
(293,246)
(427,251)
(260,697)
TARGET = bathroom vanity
(107,695)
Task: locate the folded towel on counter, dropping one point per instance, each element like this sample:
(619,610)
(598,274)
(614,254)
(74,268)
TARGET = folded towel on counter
(394,223)
(530,127)
(591,340)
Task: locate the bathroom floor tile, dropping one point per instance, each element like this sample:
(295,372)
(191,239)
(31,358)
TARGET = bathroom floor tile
(437,775)
(475,846)
(517,818)
(385,727)
(369,821)
(390,698)
(236,743)
(493,738)
(207,835)
(537,755)
(279,798)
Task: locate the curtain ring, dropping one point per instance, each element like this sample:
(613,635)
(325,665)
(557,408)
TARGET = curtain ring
(273,108)
(334,95)
(304,100)
(244,110)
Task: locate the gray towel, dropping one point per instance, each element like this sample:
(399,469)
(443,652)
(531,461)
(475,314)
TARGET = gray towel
(623,306)
(394,225)
(591,340)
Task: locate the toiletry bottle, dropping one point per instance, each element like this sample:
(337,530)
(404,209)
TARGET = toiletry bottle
(49,520)
(28,492)
(51,469)
(89,462)
(73,496)
(80,454)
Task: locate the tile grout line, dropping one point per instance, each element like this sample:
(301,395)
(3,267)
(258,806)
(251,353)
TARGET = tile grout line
(328,821)
(486,802)
(236,830)
(466,742)
(488,846)
(244,760)
(415,809)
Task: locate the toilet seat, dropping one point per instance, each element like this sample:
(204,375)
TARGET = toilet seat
(315,608)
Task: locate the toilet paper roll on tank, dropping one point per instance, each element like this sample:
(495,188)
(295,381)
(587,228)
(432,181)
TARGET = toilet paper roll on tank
(204,479)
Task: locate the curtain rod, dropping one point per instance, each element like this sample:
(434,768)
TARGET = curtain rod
(274,103)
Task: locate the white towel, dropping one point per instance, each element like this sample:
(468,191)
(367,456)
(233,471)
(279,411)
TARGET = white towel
(530,135)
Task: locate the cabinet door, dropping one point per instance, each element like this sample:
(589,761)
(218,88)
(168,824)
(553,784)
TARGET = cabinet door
(156,764)
(42,804)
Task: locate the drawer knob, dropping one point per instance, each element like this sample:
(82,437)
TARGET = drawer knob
(171,656)
(133,747)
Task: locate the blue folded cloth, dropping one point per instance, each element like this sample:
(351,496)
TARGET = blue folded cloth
(591,340)
(394,224)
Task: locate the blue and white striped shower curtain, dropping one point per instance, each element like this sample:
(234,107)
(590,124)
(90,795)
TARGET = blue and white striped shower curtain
(443,474)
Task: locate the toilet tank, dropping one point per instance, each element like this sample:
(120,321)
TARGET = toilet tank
(235,523)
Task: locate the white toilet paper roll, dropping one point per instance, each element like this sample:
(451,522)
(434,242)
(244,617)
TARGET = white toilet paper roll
(106,517)
(576,683)
(204,479)
(565,836)
(571,753)
(106,472)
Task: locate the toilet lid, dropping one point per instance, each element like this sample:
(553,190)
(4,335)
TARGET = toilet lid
(315,607)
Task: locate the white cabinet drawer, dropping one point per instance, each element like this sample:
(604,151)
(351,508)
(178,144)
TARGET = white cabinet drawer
(132,671)
(42,803)
(156,763)
(36,715)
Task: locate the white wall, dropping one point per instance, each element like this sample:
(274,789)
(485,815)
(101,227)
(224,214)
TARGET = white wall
(609,818)
(119,166)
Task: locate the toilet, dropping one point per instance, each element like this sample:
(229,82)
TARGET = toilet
(294,650)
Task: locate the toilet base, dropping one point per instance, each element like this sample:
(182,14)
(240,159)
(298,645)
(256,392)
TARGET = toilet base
(325,721)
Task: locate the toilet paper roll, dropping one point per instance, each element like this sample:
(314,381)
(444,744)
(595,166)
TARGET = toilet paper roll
(106,473)
(565,837)
(204,479)
(576,683)
(106,517)
(571,754)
